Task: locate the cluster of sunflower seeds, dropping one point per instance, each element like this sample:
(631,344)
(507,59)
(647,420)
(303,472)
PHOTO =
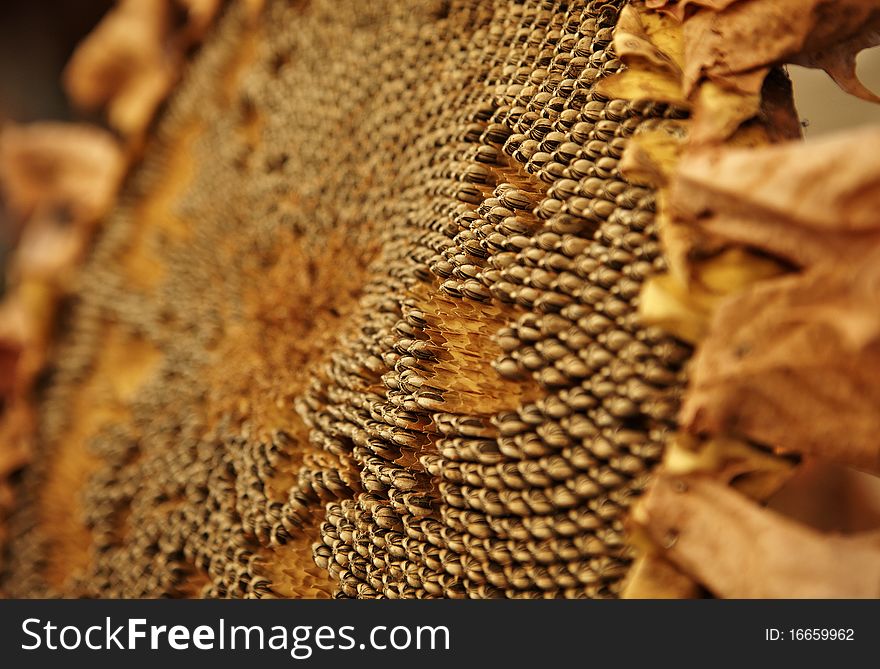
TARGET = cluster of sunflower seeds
(364,323)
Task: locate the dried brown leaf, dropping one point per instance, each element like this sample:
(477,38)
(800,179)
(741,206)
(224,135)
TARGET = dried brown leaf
(652,577)
(130,62)
(64,171)
(737,549)
(795,362)
(802,202)
(651,44)
(679,8)
(734,44)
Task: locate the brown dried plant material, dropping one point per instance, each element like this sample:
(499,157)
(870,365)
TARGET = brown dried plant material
(15,453)
(679,8)
(800,353)
(200,15)
(752,471)
(11,336)
(760,554)
(651,46)
(795,362)
(682,302)
(706,266)
(652,577)
(129,63)
(801,202)
(59,170)
(473,408)
(830,498)
(59,179)
(826,34)
(124,65)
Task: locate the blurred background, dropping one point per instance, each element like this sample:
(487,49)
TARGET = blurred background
(36,39)
(38,36)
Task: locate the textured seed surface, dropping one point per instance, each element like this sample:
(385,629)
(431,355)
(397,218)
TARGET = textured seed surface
(364,322)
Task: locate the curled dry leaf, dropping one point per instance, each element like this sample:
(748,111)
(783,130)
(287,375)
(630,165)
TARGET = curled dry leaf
(124,64)
(59,170)
(650,45)
(683,300)
(650,157)
(652,577)
(801,202)
(678,8)
(759,554)
(130,62)
(827,34)
(795,362)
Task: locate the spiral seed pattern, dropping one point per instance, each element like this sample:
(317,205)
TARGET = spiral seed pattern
(364,322)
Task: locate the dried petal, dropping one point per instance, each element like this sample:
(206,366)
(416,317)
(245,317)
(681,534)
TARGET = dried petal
(678,8)
(816,33)
(736,549)
(650,157)
(129,63)
(63,171)
(650,45)
(799,201)
(795,362)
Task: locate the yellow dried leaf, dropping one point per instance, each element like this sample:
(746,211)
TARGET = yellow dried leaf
(651,38)
(637,84)
(667,303)
(650,45)
(682,303)
(650,157)
(733,270)
(718,113)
